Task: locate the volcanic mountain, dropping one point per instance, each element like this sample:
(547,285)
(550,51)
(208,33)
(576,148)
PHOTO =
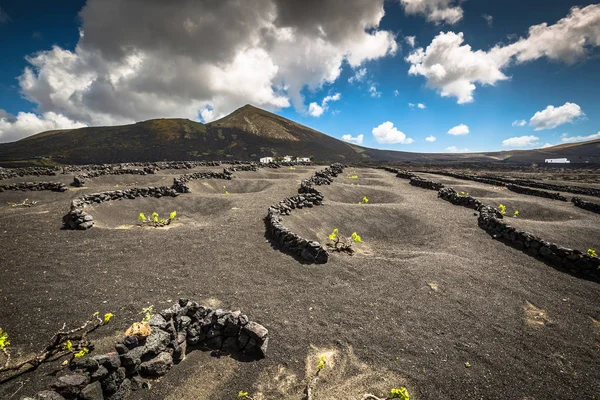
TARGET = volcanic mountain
(248,133)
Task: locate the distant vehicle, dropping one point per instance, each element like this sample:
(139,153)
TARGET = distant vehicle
(557,161)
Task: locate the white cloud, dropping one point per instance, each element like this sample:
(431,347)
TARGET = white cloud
(520,123)
(551,116)
(396,92)
(572,139)
(316,110)
(437,11)
(545,146)
(358,76)
(521,141)
(488,18)
(373,91)
(356,140)
(26,124)
(410,40)
(454,149)
(421,106)
(454,69)
(461,129)
(268,55)
(431,138)
(388,133)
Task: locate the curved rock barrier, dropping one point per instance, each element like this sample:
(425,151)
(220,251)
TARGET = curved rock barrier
(586,205)
(424,183)
(35,186)
(76,218)
(535,192)
(173,333)
(180,183)
(449,194)
(79,180)
(550,186)
(290,242)
(575,261)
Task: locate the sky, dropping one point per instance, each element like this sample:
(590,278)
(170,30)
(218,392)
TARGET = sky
(410,75)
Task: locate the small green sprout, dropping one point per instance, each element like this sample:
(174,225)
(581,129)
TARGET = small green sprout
(591,253)
(148,313)
(3,339)
(399,393)
(356,238)
(322,361)
(81,352)
(68,345)
(467,365)
(243,394)
(502,209)
(333,234)
(516,214)
(107,317)
(365,200)
(173,215)
(155,217)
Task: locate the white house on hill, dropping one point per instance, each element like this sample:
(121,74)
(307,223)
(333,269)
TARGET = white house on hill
(557,161)
(266,160)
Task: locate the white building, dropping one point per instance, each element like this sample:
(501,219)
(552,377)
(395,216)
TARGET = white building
(266,160)
(557,161)
(302,159)
(287,159)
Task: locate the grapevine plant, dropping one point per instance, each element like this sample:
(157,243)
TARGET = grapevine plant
(339,242)
(155,221)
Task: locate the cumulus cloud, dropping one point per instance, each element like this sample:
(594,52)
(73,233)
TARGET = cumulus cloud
(545,146)
(551,116)
(13,128)
(431,138)
(458,130)
(418,105)
(316,110)
(488,18)
(410,40)
(572,139)
(356,140)
(388,133)
(143,59)
(358,76)
(454,69)
(454,149)
(520,123)
(396,92)
(437,11)
(373,92)
(521,141)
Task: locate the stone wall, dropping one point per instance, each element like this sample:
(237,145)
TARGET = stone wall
(449,194)
(76,218)
(426,184)
(586,205)
(290,242)
(174,332)
(35,186)
(550,186)
(535,192)
(79,180)
(180,183)
(7,173)
(573,260)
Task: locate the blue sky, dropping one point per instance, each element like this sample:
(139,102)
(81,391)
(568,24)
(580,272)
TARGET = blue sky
(121,73)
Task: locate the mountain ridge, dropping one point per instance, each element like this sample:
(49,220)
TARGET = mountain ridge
(247,133)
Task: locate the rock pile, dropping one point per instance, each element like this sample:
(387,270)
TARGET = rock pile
(449,194)
(174,332)
(161,191)
(575,261)
(535,192)
(6,173)
(78,219)
(35,186)
(586,205)
(424,183)
(290,242)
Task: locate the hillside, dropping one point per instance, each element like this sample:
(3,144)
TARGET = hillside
(248,133)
